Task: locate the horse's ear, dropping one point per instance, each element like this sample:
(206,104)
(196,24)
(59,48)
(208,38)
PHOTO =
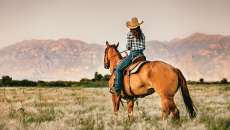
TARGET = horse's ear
(107,44)
(117,44)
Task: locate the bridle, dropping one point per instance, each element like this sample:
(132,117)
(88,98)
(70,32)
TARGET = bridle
(108,59)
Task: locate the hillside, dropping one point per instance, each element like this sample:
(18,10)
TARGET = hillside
(197,56)
(211,62)
(64,59)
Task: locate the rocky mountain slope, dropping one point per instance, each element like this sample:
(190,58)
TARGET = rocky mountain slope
(64,59)
(197,56)
(211,61)
(156,50)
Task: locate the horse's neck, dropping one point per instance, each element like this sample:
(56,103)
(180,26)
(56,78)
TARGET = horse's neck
(113,63)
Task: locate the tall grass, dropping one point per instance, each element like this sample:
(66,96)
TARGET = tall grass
(91,107)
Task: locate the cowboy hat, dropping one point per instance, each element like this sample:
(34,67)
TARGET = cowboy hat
(133,24)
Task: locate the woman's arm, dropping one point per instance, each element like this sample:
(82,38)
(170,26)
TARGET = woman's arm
(129,41)
(143,41)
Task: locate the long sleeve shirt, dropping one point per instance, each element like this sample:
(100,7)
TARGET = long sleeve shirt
(133,44)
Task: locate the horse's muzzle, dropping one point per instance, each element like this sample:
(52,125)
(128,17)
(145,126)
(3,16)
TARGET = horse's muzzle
(106,66)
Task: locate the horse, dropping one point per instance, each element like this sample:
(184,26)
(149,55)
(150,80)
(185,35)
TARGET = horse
(153,76)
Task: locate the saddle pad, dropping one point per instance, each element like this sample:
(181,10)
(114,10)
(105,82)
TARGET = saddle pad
(138,59)
(135,67)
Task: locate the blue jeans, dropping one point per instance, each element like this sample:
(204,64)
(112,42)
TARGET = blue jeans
(119,70)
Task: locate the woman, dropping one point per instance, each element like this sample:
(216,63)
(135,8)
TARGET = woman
(136,45)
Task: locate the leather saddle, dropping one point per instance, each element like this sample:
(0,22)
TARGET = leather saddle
(136,64)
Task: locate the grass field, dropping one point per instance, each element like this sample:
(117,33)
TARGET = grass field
(91,108)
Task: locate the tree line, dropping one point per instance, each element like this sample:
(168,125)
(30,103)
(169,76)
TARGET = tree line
(7,81)
(201,81)
(98,78)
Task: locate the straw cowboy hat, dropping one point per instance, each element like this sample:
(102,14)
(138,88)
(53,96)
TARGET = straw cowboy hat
(133,24)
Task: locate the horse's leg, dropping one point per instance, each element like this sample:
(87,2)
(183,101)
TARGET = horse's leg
(116,103)
(130,104)
(165,111)
(172,107)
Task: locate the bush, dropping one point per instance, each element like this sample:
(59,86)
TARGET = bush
(224,81)
(96,85)
(98,76)
(6,80)
(84,80)
(201,80)
(106,77)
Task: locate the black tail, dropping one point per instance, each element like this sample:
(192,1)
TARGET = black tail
(185,93)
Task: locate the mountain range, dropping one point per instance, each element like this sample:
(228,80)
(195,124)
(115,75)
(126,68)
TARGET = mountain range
(197,56)
(64,59)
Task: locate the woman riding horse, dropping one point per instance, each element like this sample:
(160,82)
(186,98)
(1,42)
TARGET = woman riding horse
(136,44)
(153,76)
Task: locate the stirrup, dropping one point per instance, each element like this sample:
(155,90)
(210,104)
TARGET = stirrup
(112,91)
(110,87)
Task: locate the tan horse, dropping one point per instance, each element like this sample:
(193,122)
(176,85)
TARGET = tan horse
(153,76)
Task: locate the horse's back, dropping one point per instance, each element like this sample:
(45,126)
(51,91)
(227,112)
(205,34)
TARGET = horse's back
(157,75)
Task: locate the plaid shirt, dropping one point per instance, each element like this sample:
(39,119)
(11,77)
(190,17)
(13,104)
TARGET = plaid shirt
(134,44)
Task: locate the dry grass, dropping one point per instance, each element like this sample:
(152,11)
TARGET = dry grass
(91,108)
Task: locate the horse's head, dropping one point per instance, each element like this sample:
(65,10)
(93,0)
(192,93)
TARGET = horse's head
(109,54)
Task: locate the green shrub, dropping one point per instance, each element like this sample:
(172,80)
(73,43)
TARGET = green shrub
(224,81)
(106,77)
(97,85)
(201,80)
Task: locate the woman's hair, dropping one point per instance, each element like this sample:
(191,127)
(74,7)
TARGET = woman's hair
(137,33)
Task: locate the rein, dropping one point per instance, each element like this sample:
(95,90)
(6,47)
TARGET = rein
(116,54)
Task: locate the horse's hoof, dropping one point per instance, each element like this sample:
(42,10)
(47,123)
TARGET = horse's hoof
(130,115)
(116,114)
(130,119)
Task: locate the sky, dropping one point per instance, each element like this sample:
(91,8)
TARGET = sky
(98,21)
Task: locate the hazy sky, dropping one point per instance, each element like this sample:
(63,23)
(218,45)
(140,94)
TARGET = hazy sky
(96,21)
